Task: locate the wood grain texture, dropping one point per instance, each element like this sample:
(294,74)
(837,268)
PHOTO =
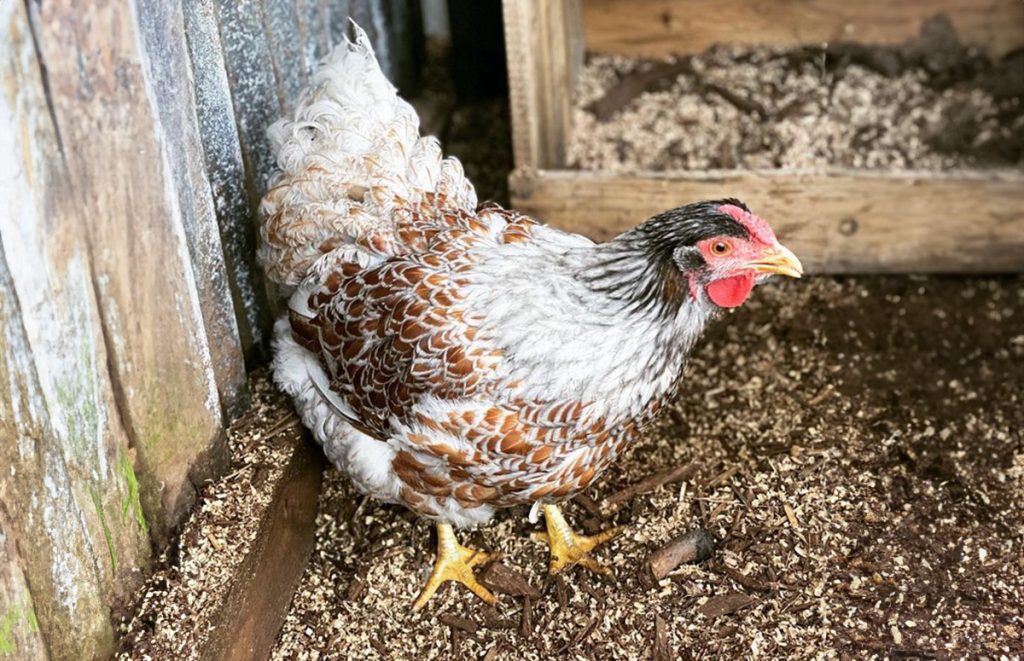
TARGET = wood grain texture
(122,179)
(544,55)
(225,170)
(22,635)
(657,28)
(840,222)
(72,532)
(174,103)
(314,31)
(281,22)
(247,621)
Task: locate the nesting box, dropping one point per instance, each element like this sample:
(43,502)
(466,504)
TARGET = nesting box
(838,219)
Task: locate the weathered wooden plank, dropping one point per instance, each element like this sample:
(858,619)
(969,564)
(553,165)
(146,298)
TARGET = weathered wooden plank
(20,635)
(250,68)
(254,609)
(225,171)
(541,39)
(122,179)
(167,68)
(657,28)
(314,32)
(840,222)
(281,22)
(71,525)
(337,19)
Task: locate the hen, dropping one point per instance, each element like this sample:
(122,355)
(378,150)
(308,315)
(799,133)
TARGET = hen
(458,359)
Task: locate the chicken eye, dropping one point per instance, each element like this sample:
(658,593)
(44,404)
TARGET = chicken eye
(720,248)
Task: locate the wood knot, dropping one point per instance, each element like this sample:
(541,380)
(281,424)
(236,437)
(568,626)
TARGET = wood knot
(848,226)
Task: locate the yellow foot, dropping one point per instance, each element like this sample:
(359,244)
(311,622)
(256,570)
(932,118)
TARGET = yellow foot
(568,548)
(454,563)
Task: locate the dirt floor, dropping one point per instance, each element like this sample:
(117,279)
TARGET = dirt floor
(932,103)
(854,445)
(856,449)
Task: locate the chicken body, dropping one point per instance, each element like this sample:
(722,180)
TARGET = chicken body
(456,359)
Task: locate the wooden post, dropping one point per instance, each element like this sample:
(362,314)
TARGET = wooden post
(545,52)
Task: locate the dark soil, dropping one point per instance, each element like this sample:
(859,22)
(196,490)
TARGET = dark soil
(857,450)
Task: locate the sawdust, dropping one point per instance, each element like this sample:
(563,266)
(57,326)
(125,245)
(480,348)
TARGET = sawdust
(930,104)
(172,615)
(860,458)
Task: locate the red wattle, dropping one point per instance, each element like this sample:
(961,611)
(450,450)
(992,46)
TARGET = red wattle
(731,292)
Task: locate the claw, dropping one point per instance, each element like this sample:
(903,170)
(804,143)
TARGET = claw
(568,548)
(454,563)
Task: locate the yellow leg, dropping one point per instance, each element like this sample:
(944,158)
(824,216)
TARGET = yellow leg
(568,548)
(454,563)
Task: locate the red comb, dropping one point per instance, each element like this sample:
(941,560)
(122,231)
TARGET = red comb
(756,225)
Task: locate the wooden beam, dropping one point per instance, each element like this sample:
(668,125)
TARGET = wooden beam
(543,42)
(658,28)
(839,222)
(252,612)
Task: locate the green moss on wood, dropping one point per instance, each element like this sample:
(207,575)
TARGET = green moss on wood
(11,617)
(132,501)
(7,642)
(97,502)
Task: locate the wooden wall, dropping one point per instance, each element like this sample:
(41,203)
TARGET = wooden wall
(132,158)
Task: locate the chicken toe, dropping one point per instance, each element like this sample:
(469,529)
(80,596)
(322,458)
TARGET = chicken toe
(455,562)
(568,548)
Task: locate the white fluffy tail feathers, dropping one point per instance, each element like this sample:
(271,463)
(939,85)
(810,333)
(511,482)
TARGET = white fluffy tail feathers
(349,159)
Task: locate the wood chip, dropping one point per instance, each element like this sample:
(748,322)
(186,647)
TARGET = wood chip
(633,85)
(501,578)
(561,592)
(356,589)
(582,635)
(722,477)
(694,546)
(457,622)
(662,649)
(526,620)
(587,503)
(648,484)
(724,604)
(791,515)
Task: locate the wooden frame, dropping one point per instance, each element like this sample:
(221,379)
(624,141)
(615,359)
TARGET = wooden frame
(838,221)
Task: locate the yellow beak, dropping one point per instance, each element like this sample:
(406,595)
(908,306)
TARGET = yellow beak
(781,260)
